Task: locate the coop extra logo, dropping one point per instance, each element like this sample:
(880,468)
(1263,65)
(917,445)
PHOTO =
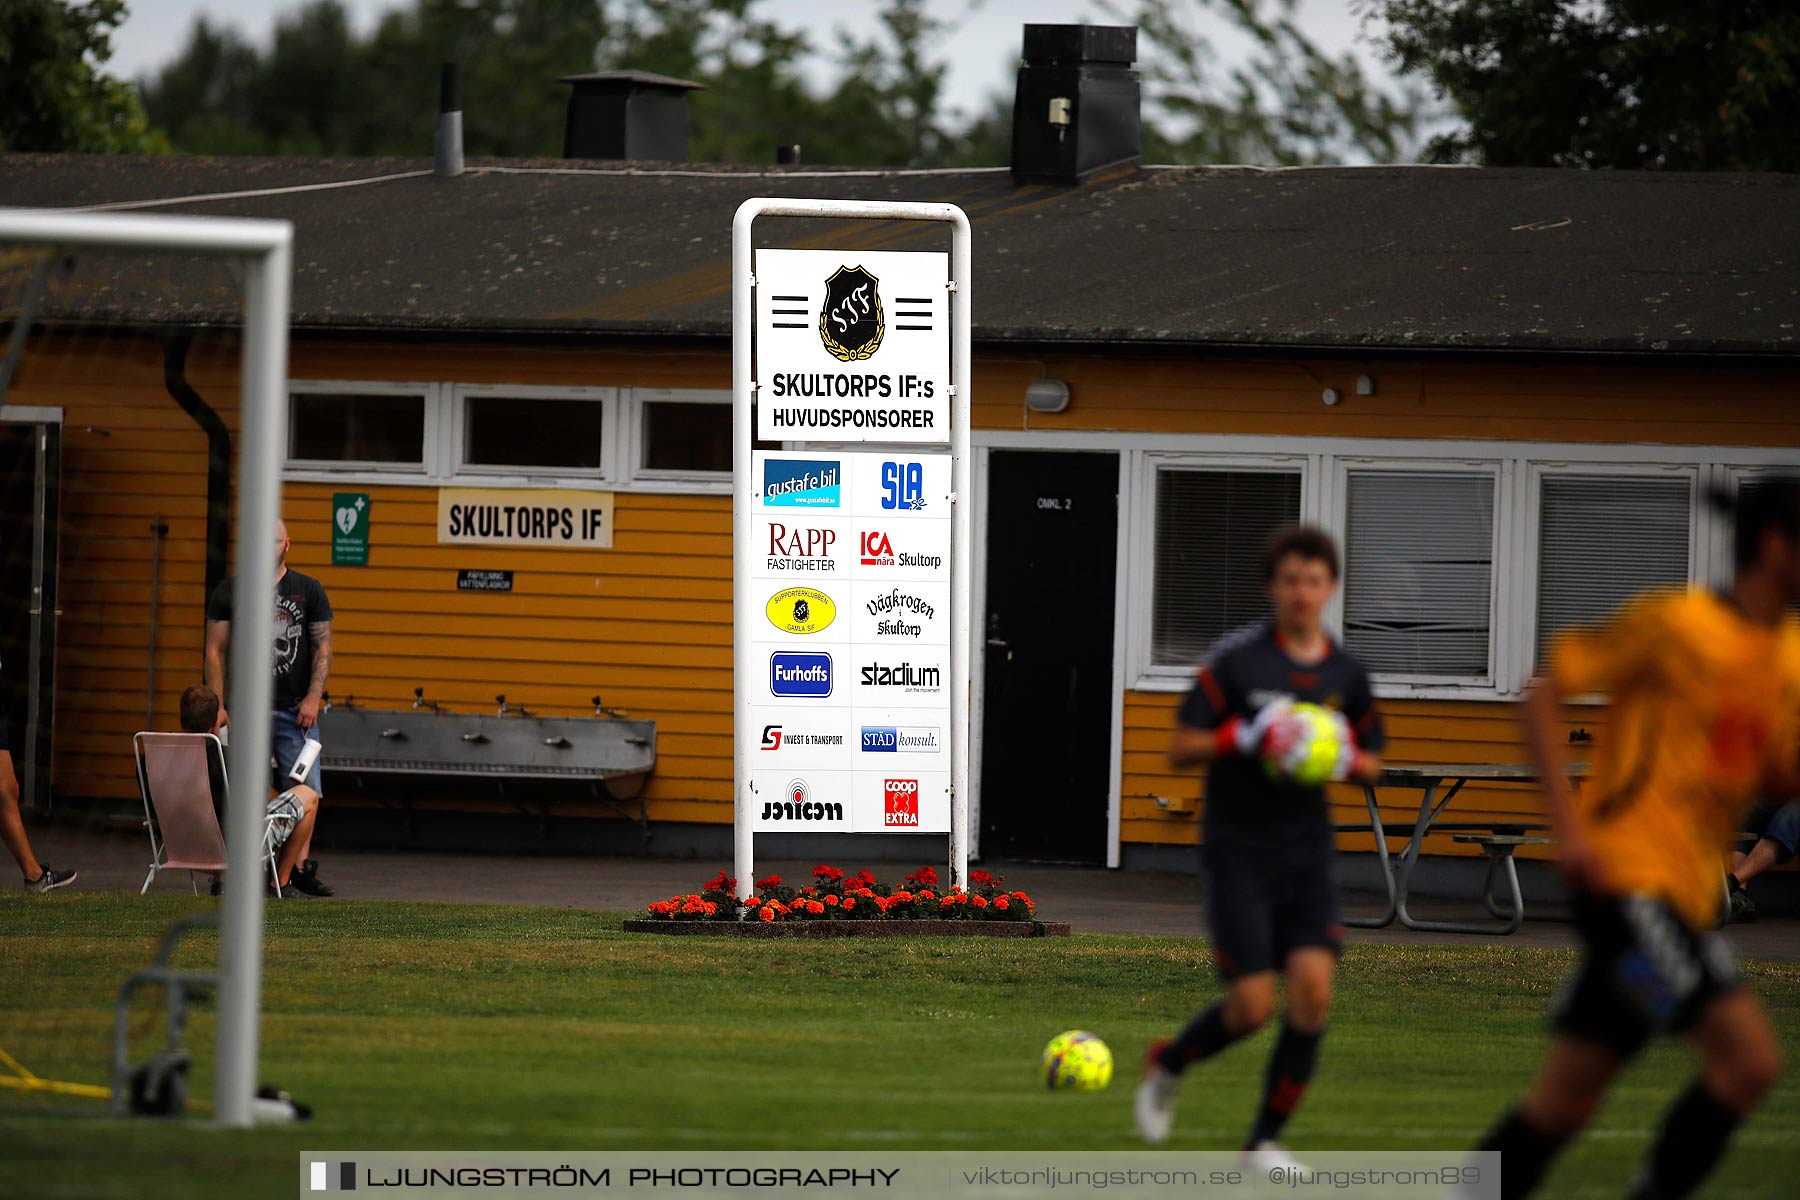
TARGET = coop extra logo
(900,803)
(851,322)
(801,610)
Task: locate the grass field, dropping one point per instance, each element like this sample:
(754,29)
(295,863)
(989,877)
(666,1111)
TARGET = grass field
(438,1026)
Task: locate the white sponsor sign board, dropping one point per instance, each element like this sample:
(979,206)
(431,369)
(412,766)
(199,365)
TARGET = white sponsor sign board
(851,642)
(852,346)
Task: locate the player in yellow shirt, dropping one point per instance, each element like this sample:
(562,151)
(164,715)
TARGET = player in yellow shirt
(1705,694)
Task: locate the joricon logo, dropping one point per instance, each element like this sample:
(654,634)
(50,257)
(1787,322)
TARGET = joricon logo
(799,806)
(900,802)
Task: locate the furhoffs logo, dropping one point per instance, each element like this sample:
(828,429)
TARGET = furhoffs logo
(851,323)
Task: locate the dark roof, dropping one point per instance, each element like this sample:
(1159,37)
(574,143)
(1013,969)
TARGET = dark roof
(1370,258)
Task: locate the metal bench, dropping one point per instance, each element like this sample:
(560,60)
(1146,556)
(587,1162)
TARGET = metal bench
(522,755)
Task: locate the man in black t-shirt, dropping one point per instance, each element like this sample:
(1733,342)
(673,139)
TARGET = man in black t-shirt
(1268,843)
(302,664)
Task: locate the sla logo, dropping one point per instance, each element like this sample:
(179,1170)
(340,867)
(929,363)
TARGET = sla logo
(801,549)
(887,739)
(903,485)
(800,676)
(900,803)
(801,610)
(801,483)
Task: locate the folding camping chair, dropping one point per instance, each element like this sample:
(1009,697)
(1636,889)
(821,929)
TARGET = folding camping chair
(178,802)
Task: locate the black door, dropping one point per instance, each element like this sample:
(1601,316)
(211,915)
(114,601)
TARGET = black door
(28,519)
(1052,529)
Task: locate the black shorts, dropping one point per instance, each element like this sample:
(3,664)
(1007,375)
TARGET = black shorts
(1263,902)
(1644,971)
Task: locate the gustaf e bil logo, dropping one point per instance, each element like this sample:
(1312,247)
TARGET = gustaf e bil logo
(851,323)
(801,610)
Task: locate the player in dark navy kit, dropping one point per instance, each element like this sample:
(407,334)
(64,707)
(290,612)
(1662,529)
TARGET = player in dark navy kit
(1268,844)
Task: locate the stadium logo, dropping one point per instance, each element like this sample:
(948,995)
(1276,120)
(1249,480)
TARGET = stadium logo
(903,486)
(799,806)
(906,677)
(774,737)
(800,676)
(900,803)
(801,483)
(801,610)
(889,739)
(800,549)
(850,323)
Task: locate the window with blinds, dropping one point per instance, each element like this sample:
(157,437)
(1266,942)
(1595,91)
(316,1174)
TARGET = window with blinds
(1211,528)
(1601,541)
(1419,572)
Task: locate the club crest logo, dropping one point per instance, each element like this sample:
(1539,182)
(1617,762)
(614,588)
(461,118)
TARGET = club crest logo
(851,323)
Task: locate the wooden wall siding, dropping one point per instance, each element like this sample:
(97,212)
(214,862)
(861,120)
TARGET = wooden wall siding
(646,624)
(1419,731)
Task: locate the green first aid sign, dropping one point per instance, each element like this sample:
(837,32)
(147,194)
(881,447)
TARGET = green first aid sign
(350,529)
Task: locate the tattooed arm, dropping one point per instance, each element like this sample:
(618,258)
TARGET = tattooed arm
(319,633)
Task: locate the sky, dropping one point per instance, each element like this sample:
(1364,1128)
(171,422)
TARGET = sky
(982,54)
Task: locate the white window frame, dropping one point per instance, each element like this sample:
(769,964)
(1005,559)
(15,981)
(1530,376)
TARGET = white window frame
(336,470)
(1336,519)
(1155,676)
(1700,528)
(456,432)
(636,444)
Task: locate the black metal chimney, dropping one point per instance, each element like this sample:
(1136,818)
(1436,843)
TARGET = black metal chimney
(1076,108)
(627,114)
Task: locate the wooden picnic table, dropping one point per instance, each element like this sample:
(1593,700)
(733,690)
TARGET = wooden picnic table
(1438,785)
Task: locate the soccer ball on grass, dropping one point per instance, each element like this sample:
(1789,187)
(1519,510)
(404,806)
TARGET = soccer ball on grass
(1077,1061)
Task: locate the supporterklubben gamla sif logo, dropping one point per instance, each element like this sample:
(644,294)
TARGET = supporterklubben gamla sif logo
(851,322)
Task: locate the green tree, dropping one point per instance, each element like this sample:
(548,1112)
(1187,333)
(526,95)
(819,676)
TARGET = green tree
(1288,103)
(1608,83)
(54,94)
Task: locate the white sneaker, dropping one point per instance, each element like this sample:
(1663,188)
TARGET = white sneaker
(1272,1162)
(1154,1104)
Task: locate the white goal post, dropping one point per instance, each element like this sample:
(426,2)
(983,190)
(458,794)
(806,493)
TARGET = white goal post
(266,250)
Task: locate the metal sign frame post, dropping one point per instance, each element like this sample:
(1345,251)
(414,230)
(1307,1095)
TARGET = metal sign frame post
(266,250)
(743,283)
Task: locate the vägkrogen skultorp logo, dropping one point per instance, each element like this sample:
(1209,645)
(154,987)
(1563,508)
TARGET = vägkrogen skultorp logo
(851,323)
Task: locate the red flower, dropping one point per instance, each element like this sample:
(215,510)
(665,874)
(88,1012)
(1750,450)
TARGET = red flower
(980,877)
(849,903)
(773,881)
(767,914)
(828,874)
(832,900)
(979,902)
(1001,904)
(814,907)
(924,877)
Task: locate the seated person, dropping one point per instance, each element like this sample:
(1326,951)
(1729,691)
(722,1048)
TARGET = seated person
(294,810)
(1778,830)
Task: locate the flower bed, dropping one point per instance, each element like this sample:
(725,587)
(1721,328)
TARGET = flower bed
(834,896)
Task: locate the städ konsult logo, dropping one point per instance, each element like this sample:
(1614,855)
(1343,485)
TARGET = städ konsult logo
(802,483)
(800,675)
(902,486)
(890,739)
